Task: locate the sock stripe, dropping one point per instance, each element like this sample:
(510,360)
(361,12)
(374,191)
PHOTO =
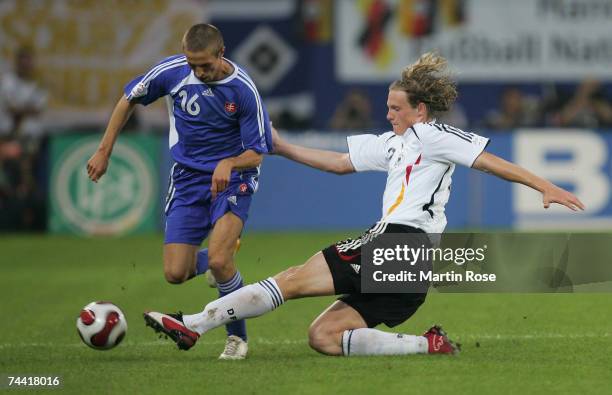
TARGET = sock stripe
(349,343)
(228,285)
(275,289)
(266,287)
(231,284)
(236,278)
(269,287)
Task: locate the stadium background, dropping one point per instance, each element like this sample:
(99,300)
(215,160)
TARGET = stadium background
(307,57)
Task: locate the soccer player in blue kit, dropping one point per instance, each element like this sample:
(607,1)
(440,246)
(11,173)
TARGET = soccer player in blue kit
(219,131)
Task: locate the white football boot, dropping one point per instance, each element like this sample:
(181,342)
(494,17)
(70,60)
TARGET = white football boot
(210,279)
(235,348)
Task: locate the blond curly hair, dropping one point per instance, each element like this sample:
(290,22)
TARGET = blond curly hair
(428,81)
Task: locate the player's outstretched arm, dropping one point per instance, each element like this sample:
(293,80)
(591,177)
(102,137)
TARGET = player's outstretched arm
(98,163)
(514,173)
(330,161)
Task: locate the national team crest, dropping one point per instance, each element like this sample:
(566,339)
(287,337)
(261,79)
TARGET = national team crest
(243,188)
(139,90)
(230,107)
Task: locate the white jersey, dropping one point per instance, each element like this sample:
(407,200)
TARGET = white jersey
(420,164)
(20,95)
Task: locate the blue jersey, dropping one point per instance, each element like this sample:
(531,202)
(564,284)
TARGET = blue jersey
(208,121)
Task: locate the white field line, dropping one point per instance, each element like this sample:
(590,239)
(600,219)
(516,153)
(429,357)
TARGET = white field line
(536,336)
(278,342)
(161,342)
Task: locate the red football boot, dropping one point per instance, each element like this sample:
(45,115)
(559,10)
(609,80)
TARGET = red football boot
(439,343)
(172,325)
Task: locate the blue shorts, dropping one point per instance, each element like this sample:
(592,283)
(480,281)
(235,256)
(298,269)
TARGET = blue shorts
(190,213)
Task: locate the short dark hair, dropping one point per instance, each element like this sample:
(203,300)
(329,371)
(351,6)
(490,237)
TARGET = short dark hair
(203,37)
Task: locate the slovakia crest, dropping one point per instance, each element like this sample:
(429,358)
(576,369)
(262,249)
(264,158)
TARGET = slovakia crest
(230,107)
(243,187)
(139,90)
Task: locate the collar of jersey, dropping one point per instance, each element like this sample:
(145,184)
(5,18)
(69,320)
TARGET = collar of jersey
(229,77)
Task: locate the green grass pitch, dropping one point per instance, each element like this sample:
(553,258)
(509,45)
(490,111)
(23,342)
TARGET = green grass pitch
(524,343)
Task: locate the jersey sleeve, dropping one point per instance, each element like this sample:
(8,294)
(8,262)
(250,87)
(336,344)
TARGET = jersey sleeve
(156,83)
(444,143)
(368,151)
(254,122)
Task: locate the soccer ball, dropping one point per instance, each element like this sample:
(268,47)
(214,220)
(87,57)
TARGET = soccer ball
(101,325)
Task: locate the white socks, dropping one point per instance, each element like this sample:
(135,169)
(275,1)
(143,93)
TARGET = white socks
(366,341)
(256,299)
(249,301)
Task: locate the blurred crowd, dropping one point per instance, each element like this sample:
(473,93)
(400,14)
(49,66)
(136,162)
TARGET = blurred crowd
(23,167)
(22,100)
(587,106)
(584,106)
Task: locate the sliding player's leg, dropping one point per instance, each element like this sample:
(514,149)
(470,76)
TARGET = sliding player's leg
(341,330)
(347,328)
(325,273)
(313,278)
(325,333)
(310,279)
(370,341)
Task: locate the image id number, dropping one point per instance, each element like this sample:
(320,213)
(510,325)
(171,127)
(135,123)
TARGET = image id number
(12,381)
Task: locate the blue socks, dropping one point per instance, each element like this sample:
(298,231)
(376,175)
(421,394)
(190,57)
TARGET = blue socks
(236,328)
(202,263)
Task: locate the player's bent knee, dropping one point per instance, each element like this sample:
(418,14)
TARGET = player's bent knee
(322,340)
(175,276)
(217,261)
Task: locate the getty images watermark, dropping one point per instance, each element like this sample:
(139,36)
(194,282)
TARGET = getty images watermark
(495,262)
(413,255)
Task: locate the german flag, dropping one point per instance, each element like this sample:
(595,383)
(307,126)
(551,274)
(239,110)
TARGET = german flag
(377,15)
(317,20)
(417,18)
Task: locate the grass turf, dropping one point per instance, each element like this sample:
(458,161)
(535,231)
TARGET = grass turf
(529,343)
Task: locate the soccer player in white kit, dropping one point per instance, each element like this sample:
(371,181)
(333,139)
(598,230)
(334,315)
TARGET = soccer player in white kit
(419,156)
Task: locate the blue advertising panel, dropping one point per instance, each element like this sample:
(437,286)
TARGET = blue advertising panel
(295,197)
